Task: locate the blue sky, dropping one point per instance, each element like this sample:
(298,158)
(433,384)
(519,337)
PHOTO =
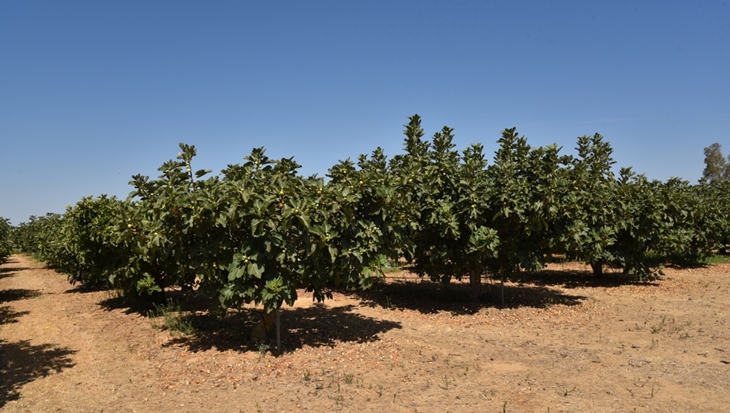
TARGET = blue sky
(93,92)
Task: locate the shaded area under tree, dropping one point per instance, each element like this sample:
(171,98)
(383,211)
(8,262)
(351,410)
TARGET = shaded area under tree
(21,363)
(8,315)
(313,326)
(577,279)
(14,294)
(430,297)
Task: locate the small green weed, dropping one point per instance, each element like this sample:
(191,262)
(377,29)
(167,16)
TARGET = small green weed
(263,348)
(173,318)
(717,259)
(657,328)
(339,399)
(446,383)
(655,389)
(566,392)
(654,344)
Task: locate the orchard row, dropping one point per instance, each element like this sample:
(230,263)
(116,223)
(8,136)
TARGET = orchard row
(259,231)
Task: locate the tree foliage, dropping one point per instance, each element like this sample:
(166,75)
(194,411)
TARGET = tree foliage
(6,239)
(525,202)
(445,190)
(585,227)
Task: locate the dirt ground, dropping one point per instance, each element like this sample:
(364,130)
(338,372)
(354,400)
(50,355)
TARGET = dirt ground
(564,342)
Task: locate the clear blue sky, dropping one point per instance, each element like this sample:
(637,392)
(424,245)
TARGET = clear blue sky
(93,92)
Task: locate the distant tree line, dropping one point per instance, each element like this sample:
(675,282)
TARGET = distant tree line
(717,169)
(6,239)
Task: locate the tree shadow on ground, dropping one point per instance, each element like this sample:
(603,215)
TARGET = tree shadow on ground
(22,363)
(578,279)
(79,288)
(314,326)
(429,297)
(190,301)
(9,316)
(5,270)
(15,294)
(122,303)
(12,264)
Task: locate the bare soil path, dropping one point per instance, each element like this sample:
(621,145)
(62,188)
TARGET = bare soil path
(565,342)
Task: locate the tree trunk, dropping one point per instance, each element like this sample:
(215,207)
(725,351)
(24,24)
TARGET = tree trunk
(278,331)
(475,284)
(502,288)
(597,269)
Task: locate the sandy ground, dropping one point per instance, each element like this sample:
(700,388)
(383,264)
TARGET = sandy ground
(564,342)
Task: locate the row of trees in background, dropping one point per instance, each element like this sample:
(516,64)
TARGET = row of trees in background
(259,231)
(6,240)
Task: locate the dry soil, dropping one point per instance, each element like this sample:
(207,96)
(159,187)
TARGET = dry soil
(564,342)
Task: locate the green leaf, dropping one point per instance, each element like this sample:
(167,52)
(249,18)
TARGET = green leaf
(255,270)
